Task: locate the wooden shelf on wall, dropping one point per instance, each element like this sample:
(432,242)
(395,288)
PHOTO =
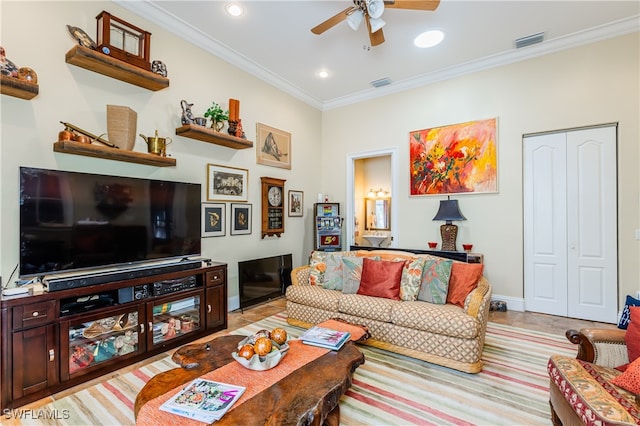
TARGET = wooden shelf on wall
(99,151)
(17,88)
(205,134)
(96,61)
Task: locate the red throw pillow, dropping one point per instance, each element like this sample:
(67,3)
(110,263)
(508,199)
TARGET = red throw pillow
(464,278)
(632,336)
(630,379)
(381,278)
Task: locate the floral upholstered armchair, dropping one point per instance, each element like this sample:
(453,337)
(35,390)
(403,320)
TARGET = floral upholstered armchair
(589,389)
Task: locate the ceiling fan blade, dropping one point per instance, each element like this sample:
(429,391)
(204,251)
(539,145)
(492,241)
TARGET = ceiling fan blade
(376,38)
(334,20)
(412,4)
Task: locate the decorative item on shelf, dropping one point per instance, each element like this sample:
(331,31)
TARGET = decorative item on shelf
(122,123)
(449,211)
(467,247)
(156,145)
(187,115)
(432,245)
(200,121)
(217,115)
(28,75)
(263,350)
(74,133)
(7,67)
(235,123)
(81,37)
(124,41)
(159,67)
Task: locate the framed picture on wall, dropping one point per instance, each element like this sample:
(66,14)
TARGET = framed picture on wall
(213,219)
(273,147)
(296,205)
(227,183)
(240,219)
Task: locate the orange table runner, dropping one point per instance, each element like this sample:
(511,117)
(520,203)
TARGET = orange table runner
(233,373)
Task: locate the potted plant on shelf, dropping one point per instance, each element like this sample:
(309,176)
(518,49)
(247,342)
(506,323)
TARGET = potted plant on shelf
(217,115)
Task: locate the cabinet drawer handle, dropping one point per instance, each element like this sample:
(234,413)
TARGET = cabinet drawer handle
(141,328)
(150,325)
(52,354)
(215,277)
(208,309)
(35,314)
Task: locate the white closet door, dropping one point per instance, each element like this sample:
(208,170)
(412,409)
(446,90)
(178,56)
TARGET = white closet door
(592,234)
(570,221)
(545,251)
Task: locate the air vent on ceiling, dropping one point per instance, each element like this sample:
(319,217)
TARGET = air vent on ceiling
(382,82)
(529,40)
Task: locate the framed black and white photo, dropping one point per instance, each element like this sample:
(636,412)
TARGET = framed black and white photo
(296,203)
(240,219)
(227,183)
(213,219)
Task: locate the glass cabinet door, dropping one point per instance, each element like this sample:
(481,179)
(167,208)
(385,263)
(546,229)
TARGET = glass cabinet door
(108,337)
(174,318)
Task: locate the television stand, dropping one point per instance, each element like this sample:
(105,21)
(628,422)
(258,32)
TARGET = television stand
(55,340)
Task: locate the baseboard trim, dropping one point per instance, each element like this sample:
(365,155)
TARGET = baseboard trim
(513,303)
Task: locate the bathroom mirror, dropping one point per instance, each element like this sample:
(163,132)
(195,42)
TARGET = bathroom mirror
(376,212)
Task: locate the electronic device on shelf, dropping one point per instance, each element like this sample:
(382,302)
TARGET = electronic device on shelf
(72,222)
(129,294)
(160,288)
(75,305)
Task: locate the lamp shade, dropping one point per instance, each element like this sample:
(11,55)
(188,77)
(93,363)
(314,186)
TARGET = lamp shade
(375,8)
(355,19)
(448,211)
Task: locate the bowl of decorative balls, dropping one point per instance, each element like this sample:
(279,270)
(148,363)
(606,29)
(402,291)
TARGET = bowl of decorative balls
(263,350)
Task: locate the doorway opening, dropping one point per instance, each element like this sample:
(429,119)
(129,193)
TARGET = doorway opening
(371,176)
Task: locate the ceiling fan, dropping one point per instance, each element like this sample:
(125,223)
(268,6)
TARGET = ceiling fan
(371,11)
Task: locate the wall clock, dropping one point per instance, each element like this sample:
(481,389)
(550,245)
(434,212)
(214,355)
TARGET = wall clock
(272,206)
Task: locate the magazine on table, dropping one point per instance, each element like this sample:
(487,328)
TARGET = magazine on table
(204,400)
(325,337)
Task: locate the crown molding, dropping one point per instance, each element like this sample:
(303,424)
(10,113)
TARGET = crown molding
(187,32)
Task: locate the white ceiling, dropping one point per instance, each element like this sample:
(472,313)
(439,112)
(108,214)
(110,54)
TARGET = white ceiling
(273,41)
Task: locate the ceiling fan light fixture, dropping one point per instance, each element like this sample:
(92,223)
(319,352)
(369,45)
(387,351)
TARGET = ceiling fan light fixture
(375,8)
(429,39)
(355,19)
(376,24)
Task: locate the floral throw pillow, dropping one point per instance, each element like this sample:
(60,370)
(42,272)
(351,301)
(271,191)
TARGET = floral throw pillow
(411,278)
(351,274)
(333,274)
(318,267)
(435,281)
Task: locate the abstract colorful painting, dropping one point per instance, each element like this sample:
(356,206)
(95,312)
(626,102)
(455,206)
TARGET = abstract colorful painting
(460,158)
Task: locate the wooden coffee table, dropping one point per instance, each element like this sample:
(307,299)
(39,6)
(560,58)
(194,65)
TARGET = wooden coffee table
(309,395)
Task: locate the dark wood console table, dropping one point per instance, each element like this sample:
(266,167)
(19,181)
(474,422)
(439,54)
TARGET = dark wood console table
(55,340)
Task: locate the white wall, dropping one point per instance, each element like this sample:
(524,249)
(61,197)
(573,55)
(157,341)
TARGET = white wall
(583,86)
(34,35)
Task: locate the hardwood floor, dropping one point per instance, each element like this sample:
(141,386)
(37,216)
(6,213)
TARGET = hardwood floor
(237,319)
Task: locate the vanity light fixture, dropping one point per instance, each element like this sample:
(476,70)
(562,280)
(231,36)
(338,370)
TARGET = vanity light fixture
(371,193)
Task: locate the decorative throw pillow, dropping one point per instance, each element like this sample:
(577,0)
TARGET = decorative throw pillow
(351,274)
(411,278)
(333,274)
(381,278)
(632,336)
(434,285)
(464,278)
(624,318)
(317,267)
(630,379)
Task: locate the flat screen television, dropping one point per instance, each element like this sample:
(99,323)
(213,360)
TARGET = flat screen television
(71,221)
(263,279)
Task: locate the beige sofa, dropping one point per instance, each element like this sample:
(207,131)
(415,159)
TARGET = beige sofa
(444,334)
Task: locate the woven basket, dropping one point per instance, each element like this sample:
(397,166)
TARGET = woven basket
(121,126)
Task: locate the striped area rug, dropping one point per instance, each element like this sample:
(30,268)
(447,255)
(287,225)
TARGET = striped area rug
(388,389)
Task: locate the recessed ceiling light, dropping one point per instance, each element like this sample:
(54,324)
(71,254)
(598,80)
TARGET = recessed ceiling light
(234,9)
(323,74)
(429,38)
